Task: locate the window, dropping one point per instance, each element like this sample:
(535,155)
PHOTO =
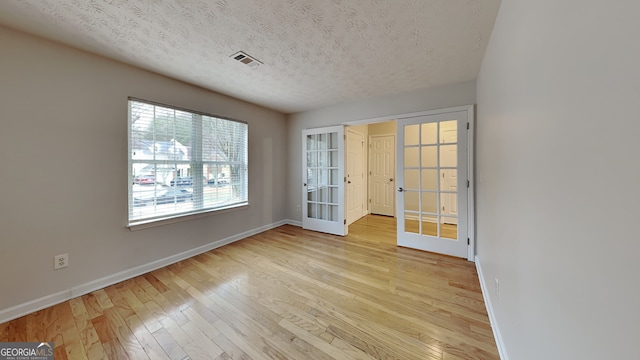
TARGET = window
(183,162)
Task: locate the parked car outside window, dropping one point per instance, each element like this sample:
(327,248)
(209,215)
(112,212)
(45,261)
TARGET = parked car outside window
(163,195)
(185,181)
(144,179)
(182,181)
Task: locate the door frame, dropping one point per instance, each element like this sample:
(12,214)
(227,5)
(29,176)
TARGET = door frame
(470,157)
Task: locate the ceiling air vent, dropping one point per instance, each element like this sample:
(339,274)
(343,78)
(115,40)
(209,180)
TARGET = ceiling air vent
(246,59)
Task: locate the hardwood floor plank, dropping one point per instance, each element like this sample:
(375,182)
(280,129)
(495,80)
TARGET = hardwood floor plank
(349,349)
(148,342)
(119,303)
(196,352)
(92,305)
(137,287)
(18,330)
(316,342)
(108,339)
(286,293)
(170,346)
(172,308)
(89,336)
(279,336)
(366,343)
(103,299)
(231,350)
(205,326)
(176,331)
(126,338)
(388,340)
(60,353)
(201,346)
(35,326)
(77,306)
(52,327)
(256,328)
(157,284)
(74,348)
(148,318)
(224,356)
(239,341)
(4,332)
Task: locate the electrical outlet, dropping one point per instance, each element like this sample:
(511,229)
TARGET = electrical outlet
(298,208)
(61,261)
(497,289)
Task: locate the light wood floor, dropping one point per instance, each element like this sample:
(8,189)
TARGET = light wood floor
(282,294)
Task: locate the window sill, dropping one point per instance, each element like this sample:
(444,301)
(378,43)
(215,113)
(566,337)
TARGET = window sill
(145,224)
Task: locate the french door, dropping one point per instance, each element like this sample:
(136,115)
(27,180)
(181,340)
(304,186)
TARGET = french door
(432,176)
(323,200)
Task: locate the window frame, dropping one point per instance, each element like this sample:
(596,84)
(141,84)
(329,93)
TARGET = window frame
(197,165)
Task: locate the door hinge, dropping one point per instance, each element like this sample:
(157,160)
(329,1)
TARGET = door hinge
(467,183)
(345,221)
(467,126)
(369,200)
(468,241)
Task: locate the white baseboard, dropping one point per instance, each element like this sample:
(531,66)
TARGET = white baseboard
(502,351)
(56,298)
(294,222)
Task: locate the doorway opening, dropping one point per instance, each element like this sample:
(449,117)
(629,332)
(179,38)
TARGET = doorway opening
(370,170)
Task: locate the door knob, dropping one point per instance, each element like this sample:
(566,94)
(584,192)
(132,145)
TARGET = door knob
(349,182)
(391,179)
(400,189)
(305,184)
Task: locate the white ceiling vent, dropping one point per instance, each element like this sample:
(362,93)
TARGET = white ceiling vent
(246,59)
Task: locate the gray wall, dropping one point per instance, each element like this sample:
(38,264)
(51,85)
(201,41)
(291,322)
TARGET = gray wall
(427,99)
(63,183)
(557,178)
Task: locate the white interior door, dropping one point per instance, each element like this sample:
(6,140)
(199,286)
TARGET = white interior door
(382,170)
(355,176)
(432,183)
(323,180)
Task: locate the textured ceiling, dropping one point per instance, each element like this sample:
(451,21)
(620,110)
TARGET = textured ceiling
(316,53)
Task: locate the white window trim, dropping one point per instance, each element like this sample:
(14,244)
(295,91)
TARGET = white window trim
(141,225)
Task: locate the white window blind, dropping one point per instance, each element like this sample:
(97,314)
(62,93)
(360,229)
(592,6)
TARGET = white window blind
(183,162)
